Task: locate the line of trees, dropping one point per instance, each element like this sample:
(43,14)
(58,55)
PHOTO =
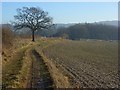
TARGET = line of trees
(37,21)
(88,31)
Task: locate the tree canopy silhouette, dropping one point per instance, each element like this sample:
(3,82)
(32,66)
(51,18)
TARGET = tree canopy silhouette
(33,18)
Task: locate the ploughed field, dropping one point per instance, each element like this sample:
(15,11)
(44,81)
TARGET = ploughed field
(60,63)
(91,64)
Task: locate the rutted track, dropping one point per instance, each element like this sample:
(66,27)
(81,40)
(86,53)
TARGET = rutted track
(29,68)
(40,76)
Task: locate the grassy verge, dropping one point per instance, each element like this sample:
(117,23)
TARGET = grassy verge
(12,69)
(60,80)
(24,76)
(15,72)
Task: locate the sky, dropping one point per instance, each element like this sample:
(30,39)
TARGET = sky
(66,12)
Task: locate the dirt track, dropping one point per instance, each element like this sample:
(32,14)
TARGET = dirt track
(40,76)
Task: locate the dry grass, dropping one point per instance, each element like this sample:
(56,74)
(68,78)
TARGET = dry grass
(70,63)
(60,80)
(24,76)
(15,66)
(8,53)
(7,37)
(11,69)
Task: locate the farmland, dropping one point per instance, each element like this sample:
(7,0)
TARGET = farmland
(46,46)
(87,63)
(61,63)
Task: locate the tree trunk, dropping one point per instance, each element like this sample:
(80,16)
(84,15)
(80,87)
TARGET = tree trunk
(33,36)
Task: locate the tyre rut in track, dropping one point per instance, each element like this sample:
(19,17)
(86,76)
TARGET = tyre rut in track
(40,76)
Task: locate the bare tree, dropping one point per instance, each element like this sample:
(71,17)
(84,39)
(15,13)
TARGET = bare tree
(33,18)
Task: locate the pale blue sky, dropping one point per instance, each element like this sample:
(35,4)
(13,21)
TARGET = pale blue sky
(67,12)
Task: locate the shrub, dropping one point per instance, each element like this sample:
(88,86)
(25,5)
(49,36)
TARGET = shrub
(7,36)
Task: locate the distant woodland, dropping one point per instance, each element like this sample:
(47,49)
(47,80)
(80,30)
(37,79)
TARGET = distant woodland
(88,31)
(75,32)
